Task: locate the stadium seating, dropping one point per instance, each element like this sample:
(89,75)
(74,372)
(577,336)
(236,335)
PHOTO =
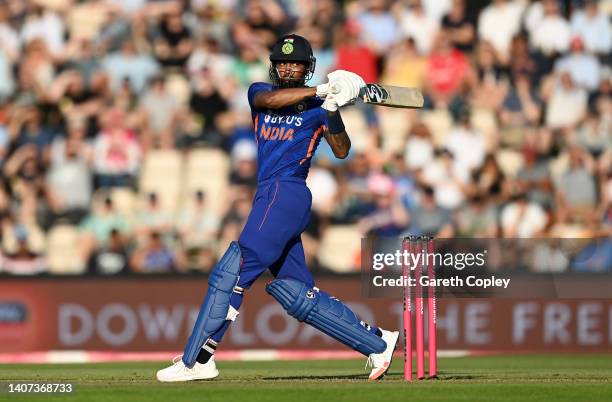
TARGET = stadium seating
(62,255)
(340,237)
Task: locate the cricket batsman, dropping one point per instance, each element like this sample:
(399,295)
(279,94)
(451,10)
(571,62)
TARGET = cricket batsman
(289,119)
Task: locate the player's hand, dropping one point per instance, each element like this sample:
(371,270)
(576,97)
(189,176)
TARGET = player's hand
(345,85)
(323,90)
(330,104)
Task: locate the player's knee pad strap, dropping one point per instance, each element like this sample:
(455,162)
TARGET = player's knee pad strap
(216,308)
(325,313)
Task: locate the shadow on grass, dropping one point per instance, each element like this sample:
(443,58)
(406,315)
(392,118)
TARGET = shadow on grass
(319,377)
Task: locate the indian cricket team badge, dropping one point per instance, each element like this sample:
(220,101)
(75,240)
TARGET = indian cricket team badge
(287,46)
(310,294)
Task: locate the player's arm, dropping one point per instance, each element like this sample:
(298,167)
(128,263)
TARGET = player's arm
(336,135)
(284,97)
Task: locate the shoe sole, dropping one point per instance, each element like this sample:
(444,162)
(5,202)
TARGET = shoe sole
(208,377)
(381,373)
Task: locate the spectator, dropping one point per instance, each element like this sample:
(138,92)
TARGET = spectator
(466,143)
(325,56)
(567,103)
(552,33)
(116,152)
(378,27)
(9,38)
(244,164)
(583,67)
(478,219)
(594,135)
(267,21)
(416,24)
(324,188)
(68,180)
(534,179)
(197,225)
(593,26)
(522,106)
(46,25)
(448,179)
(491,84)
(110,259)
(521,218)
(160,111)
(498,23)
(23,259)
(154,257)
(595,257)
(354,56)
(97,227)
(206,103)
(173,44)
(153,218)
(447,71)
(461,26)
(388,217)
(207,56)
(427,218)
(419,148)
(404,66)
(129,66)
(7,82)
(577,190)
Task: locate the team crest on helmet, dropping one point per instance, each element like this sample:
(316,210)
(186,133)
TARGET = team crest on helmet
(287,48)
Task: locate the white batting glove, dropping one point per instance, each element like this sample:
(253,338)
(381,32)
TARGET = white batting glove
(345,85)
(330,104)
(323,90)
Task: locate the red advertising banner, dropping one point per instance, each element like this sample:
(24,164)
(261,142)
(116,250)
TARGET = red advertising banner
(156,314)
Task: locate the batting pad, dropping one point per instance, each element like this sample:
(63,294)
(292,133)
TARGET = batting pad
(216,304)
(326,313)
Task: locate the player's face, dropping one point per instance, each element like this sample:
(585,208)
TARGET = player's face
(290,70)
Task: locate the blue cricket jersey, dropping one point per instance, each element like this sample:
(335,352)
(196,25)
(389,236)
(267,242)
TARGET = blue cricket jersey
(286,138)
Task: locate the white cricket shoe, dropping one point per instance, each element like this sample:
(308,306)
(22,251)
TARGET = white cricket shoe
(381,362)
(179,372)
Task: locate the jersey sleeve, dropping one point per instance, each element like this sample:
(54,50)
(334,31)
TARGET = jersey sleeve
(254,89)
(323,118)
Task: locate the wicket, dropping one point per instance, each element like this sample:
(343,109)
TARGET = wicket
(419,245)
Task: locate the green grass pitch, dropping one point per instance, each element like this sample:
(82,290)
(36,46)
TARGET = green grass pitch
(574,378)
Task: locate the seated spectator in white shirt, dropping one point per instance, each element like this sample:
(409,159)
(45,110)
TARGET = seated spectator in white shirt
(419,151)
(566,103)
(415,23)
(498,23)
(466,143)
(584,68)
(593,25)
(552,34)
(44,24)
(523,219)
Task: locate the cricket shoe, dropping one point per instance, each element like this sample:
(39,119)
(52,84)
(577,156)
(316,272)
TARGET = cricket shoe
(381,362)
(179,372)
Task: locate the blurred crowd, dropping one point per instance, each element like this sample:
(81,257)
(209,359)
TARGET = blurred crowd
(97,98)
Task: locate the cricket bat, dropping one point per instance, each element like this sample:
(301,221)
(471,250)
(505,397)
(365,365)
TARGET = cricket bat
(391,96)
